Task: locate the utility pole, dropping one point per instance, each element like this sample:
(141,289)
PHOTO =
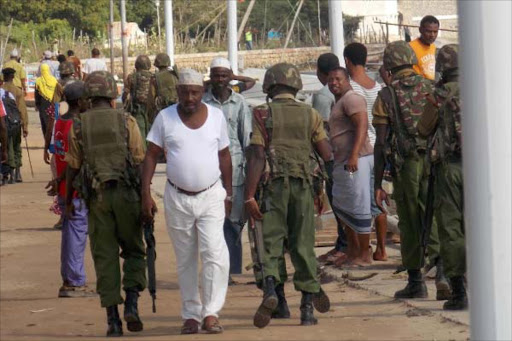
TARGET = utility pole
(336,37)
(486,26)
(124,44)
(319,24)
(290,31)
(169,32)
(157,2)
(232,36)
(111,33)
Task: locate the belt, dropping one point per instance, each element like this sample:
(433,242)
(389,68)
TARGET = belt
(181,190)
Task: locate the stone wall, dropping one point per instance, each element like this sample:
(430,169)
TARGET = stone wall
(305,58)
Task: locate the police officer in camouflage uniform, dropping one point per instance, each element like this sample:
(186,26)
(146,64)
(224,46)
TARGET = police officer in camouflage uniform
(443,124)
(285,132)
(396,113)
(163,85)
(105,151)
(136,96)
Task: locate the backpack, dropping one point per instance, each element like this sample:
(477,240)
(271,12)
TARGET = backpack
(13,117)
(140,86)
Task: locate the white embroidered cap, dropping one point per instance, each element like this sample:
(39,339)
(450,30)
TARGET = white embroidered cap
(14,53)
(220,62)
(190,77)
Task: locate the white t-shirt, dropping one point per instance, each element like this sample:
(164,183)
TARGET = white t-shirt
(192,154)
(370,95)
(94,64)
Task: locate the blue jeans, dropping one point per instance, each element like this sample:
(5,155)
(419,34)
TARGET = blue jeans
(341,241)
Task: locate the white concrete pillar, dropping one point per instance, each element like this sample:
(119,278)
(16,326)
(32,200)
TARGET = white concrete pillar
(336,36)
(232,35)
(124,33)
(169,31)
(485,56)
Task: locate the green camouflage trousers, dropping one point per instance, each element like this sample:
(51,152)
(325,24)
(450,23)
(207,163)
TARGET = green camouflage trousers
(114,223)
(410,193)
(449,212)
(290,217)
(14,157)
(139,113)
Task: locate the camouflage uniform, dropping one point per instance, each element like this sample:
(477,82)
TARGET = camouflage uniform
(406,151)
(163,91)
(106,145)
(136,94)
(449,188)
(288,129)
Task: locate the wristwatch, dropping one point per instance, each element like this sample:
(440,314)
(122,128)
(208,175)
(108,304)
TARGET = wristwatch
(229,198)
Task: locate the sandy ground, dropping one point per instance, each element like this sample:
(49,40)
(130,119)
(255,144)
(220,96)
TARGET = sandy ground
(30,278)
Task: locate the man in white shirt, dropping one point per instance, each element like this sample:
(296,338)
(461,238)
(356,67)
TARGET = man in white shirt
(94,64)
(195,138)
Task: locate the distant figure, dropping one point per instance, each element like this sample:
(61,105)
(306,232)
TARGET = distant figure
(53,64)
(94,63)
(45,88)
(77,63)
(425,49)
(61,58)
(248,38)
(20,76)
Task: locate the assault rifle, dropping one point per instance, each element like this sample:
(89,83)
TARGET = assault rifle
(149,237)
(255,231)
(428,218)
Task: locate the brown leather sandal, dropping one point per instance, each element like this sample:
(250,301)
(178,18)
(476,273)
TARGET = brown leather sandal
(212,325)
(190,326)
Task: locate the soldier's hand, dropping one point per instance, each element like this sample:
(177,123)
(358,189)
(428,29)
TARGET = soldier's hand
(253,209)
(148,208)
(25,132)
(46,157)
(380,196)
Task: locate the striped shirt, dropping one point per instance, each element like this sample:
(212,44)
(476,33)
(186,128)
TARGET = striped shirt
(370,95)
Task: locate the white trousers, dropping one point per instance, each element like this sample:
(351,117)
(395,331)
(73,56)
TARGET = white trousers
(195,225)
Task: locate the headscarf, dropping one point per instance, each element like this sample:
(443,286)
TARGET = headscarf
(46,83)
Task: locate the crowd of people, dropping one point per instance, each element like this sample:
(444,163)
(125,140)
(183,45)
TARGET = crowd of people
(229,165)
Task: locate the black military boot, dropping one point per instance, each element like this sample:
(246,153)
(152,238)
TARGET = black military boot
(415,288)
(282,311)
(17,175)
(115,326)
(443,288)
(268,305)
(131,313)
(459,298)
(11,176)
(307,318)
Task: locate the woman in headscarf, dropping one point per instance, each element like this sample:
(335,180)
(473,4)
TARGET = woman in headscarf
(45,89)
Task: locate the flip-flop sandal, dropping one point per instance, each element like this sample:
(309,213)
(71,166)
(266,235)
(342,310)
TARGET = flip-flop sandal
(190,326)
(321,301)
(212,328)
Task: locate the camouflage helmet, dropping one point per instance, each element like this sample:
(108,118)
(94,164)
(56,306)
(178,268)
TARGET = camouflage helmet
(399,53)
(162,60)
(100,84)
(66,68)
(283,74)
(447,58)
(142,62)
